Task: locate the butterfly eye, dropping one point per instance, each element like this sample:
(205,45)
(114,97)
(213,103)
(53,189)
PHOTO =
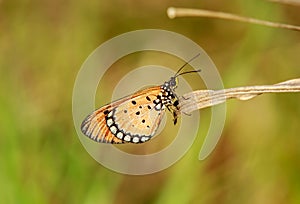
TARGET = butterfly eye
(173,82)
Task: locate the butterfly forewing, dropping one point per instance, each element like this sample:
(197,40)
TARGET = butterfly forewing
(138,117)
(130,119)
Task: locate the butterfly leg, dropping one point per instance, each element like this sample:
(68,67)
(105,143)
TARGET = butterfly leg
(188,114)
(186,98)
(169,109)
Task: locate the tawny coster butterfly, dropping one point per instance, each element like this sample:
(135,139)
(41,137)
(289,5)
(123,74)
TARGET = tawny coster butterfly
(135,118)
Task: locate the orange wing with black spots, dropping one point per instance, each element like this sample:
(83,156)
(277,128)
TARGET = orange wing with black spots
(133,119)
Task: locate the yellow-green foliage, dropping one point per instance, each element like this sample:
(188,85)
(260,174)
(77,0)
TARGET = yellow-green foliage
(44,43)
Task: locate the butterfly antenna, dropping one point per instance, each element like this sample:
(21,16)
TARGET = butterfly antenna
(185,65)
(199,70)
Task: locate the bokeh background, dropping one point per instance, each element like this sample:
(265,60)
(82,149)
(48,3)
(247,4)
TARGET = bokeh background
(43,45)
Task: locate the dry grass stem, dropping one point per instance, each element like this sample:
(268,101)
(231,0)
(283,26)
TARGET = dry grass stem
(290,2)
(205,98)
(186,12)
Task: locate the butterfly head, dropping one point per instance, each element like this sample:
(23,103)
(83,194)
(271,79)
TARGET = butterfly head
(173,82)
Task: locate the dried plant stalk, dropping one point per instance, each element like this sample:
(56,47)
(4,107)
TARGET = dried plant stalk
(290,2)
(205,98)
(187,12)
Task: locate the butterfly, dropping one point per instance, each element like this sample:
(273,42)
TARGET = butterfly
(135,118)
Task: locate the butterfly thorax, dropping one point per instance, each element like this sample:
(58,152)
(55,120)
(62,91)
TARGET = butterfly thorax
(167,98)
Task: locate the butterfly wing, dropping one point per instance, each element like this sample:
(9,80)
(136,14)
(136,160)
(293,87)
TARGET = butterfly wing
(130,119)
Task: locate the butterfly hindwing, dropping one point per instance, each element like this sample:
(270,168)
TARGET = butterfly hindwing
(94,126)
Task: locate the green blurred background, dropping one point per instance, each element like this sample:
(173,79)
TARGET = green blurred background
(44,43)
